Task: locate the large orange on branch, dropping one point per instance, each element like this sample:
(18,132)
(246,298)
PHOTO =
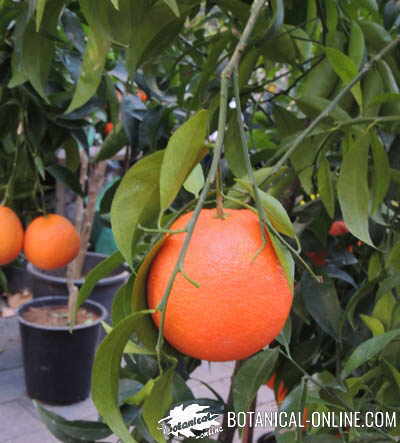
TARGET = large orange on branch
(51,242)
(243,300)
(11,235)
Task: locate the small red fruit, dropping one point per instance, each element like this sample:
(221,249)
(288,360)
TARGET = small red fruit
(142,95)
(338,228)
(317,257)
(108,127)
(280,395)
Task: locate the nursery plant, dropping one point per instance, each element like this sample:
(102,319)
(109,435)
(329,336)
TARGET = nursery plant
(285,120)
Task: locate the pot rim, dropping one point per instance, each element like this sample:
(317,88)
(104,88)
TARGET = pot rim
(106,281)
(59,298)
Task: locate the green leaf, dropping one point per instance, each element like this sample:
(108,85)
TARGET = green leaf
(325,187)
(312,106)
(113,143)
(380,173)
(252,374)
(373,324)
(354,205)
(38,49)
(356,44)
(393,259)
(105,374)
(101,270)
(115,4)
(374,266)
(130,347)
(303,160)
(148,333)
(3,281)
(293,403)
(157,403)
(285,257)
(72,431)
(66,176)
(285,335)
(277,214)
(40,5)
(136,202)
(91,71)
(185,148)
(174,7)
(195,181)
(346,69)
(233,148)
(384,309)
(367,351)
(322,302)
(122,302)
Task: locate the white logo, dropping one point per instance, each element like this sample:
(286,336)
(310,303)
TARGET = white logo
(181,422)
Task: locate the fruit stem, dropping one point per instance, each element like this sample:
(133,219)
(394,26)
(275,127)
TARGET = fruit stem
(212,174)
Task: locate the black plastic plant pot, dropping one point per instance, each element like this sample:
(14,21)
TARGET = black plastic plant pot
(267,438)
(58,363)
(50,283)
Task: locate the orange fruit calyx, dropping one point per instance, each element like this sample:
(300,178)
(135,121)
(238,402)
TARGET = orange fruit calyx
(51,242)
(243,300)
(11,235)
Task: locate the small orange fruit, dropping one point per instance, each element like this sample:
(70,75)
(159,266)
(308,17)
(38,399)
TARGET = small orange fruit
(108,127)
(338,228)
(243,300)
(51,242)
(142,95)
(11,235)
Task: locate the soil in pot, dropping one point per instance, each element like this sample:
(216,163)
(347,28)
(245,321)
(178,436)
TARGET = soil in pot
(57,316)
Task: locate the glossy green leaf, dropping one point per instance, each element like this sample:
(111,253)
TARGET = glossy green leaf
(91,69)
(105,374)
(303,160)
(374,266)
(72,431)
(325,187)
(393,259)
(40,5)
(277,214)
(113,143)
(322,302)
(38,49)
(136,202)
(384,309)
(356,44)
(293,404)
(285,335)
(380,174)
(195,181)
(354,205)
(252,374)
(233,148)
(373,88)
(312,106)
(373,324)
(156,405)
(174,7)
(122,302)
(367,350)
(185,148)
(115,3)
(285,257)
(101,270)
(130,347)
(346,69)
(331,15)
(148,333)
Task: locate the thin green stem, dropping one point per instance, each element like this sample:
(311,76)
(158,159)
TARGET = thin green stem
(246,156)
(225,78)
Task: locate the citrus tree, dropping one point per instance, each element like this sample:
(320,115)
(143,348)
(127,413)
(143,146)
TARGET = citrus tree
(285,111)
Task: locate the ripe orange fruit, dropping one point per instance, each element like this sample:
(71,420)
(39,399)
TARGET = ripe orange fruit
(142,95)
(108,127)
(281,393)
(243,301)
(338,228)
(51,242)
(11,235)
